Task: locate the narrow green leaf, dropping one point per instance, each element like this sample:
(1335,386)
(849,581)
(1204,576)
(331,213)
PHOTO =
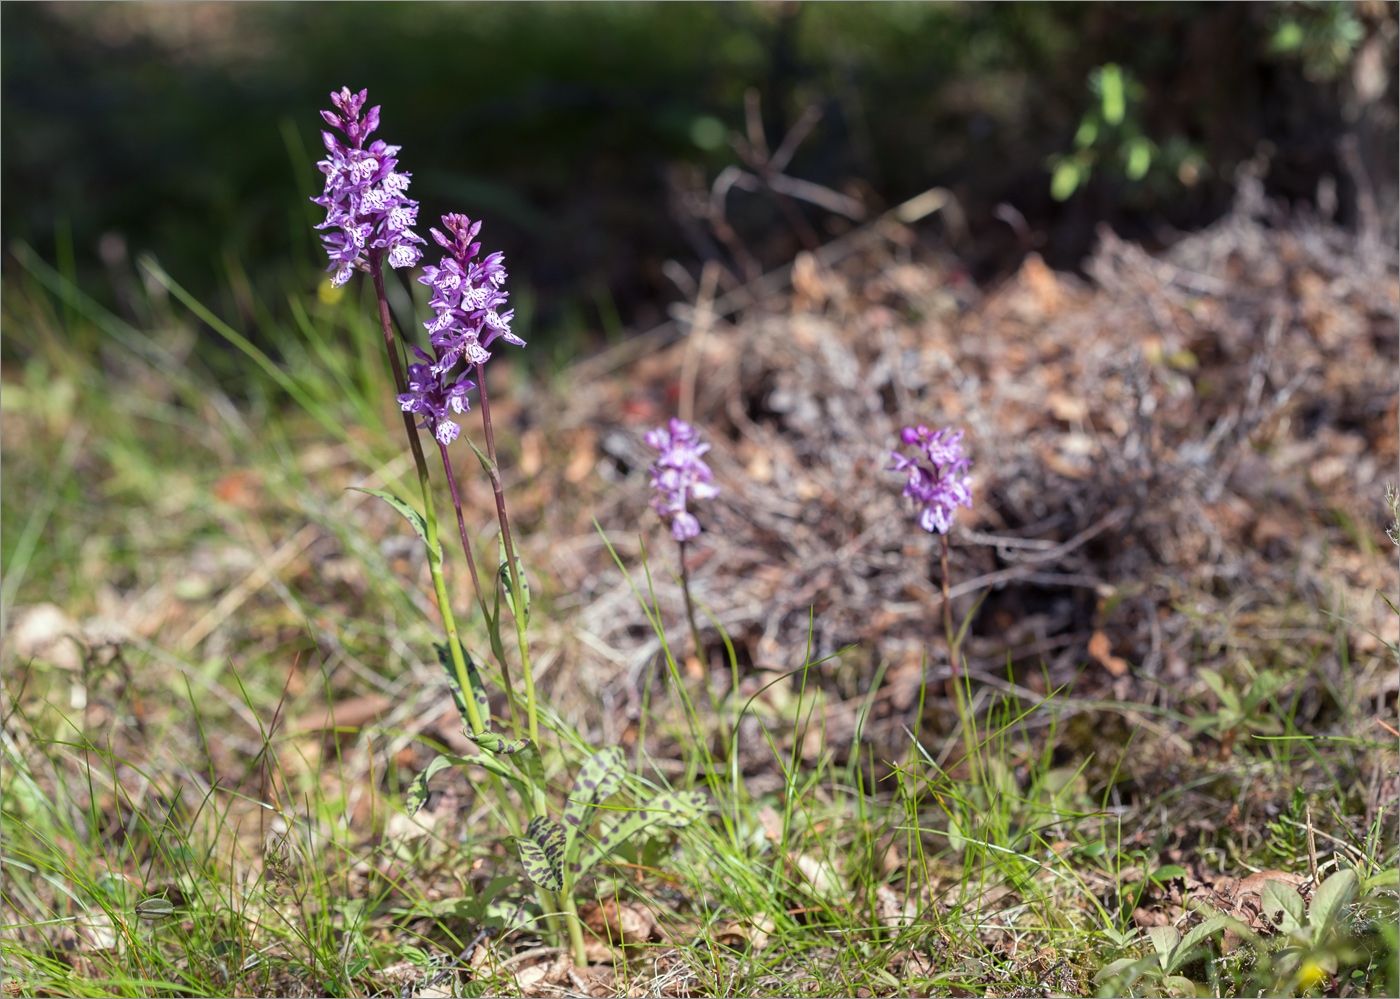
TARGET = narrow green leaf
(483,702)
(415,519)
(672,809)
(418,789)
(1283,906)
(506,586)
(1331,897)
(486,464)
(154,908)
(598,779)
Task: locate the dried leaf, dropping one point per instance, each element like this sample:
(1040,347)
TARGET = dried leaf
(619,922)
(1102,652)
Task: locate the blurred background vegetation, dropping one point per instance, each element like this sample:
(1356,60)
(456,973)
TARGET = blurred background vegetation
(574,131)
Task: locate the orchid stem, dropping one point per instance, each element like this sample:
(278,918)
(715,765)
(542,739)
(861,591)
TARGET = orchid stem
(491,624)
(522,640)
(454,646)
(954,687)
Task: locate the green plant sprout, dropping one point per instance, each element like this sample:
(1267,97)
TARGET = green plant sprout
(1111,134)
(1239,710)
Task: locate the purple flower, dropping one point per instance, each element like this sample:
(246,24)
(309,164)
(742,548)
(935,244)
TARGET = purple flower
(679,473)
(940,486)
(364,195)
(466,296)
(433,394)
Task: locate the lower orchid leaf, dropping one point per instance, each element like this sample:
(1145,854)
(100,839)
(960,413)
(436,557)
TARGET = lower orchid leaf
(492,742)
(542,853)
(674,809)
(508,587)
(417,795)
(416,519)
(537,866)
(483,702)
(598,780)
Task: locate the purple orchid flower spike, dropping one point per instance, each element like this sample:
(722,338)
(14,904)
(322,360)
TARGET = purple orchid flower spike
(466,296)
(940,485)
(366,207)
(432,395)
(678,474)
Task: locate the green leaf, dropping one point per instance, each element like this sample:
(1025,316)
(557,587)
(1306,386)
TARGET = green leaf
(550,837)
(483,703)
(1331,897)
(675,809)
(1283,906)
(1139,155)
(495,743)
(418,790)
(1198,936)
(486,464)
(598,779)
(154,908)
(537,866)
(1114,968)
(956,838)
(1164,940)
(1065,180)
(542,853)
(527,761)
(498,768)
(504,573)
(419,524)
(1168,871)
(1180,984)
(1114,96)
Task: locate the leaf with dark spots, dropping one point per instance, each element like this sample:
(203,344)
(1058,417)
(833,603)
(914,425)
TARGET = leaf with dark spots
(537,866)
(550,837)
(494,743)
(483,703)
(598,780)
(674,809)
(417,795)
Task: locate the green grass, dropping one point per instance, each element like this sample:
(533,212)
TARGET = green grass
(172,759)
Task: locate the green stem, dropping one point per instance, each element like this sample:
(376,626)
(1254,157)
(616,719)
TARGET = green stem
(700,649)
(955,686)
(459,664)
(492,625)
(493,469)
(576,941)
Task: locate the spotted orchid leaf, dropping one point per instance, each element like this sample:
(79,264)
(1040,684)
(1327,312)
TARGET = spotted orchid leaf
(483,702)
(598,780)
(417,795)
(415,519)
(504,573)
(674,809)
(542,853)
(495,743)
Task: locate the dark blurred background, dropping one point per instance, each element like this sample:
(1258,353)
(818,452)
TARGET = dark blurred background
(576,132)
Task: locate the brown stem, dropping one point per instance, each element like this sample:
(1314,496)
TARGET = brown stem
(392,346)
